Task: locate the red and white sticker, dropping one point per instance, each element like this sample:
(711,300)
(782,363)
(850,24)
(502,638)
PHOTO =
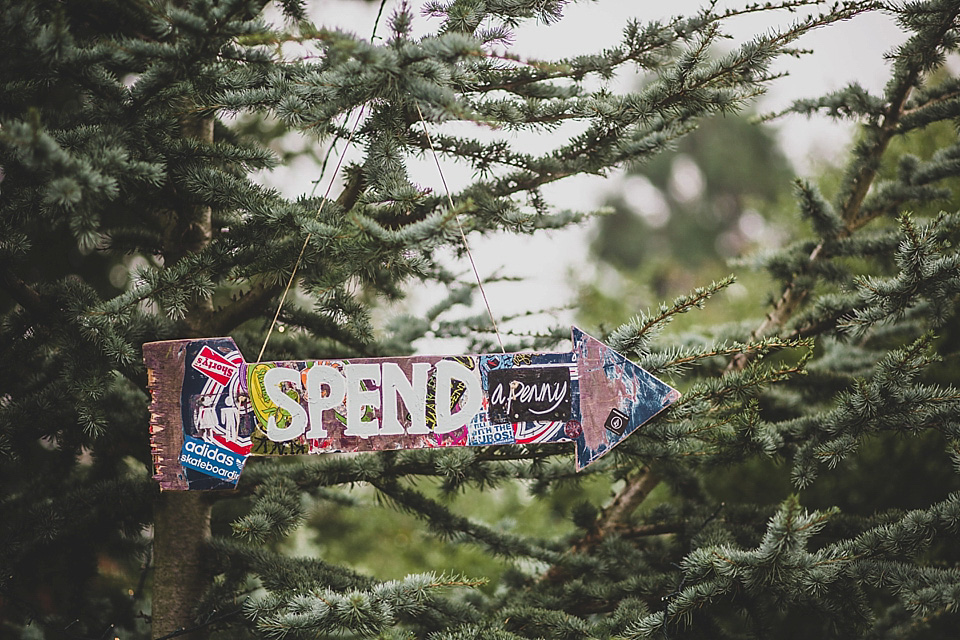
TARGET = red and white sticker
(214,366)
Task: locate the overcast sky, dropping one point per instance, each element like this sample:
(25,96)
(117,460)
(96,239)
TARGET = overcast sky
(848,52)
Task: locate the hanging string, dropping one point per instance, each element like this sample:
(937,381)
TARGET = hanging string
(463,236)
(326,195)
(306,241)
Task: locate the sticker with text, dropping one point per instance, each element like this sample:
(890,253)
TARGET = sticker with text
(529,394)
(214,366)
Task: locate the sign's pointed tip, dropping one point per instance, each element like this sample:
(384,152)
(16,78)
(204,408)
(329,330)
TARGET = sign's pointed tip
(617,397)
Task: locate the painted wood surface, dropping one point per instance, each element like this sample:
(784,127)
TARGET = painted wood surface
(211,410)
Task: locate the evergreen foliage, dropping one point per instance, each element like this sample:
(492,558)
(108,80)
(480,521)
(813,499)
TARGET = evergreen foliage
(130,138)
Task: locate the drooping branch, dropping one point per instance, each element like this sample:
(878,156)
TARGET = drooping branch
(243,307)
(22,293)
(861,177)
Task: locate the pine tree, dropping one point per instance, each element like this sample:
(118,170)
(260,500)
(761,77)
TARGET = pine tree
(130,136)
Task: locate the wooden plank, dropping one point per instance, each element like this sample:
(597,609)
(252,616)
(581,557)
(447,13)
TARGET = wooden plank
(211,410)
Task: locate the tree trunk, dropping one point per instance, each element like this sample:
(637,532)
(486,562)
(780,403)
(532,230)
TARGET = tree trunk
(180,532)
(182,518)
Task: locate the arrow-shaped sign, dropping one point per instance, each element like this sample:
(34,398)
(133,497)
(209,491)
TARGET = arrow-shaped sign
(211,409)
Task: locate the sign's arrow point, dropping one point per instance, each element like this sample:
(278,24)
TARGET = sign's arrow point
(616,397)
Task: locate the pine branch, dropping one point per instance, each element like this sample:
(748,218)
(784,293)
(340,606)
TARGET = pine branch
(24,295)
(446,523)
(613,518)
(246,306)
(907,74)
(635,335)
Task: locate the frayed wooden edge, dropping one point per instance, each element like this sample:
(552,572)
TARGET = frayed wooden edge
(165,369)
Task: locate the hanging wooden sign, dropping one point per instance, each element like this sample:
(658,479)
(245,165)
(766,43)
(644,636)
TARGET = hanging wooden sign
(211,409)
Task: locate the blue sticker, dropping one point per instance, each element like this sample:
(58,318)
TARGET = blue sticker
(211,459)
(485,433)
